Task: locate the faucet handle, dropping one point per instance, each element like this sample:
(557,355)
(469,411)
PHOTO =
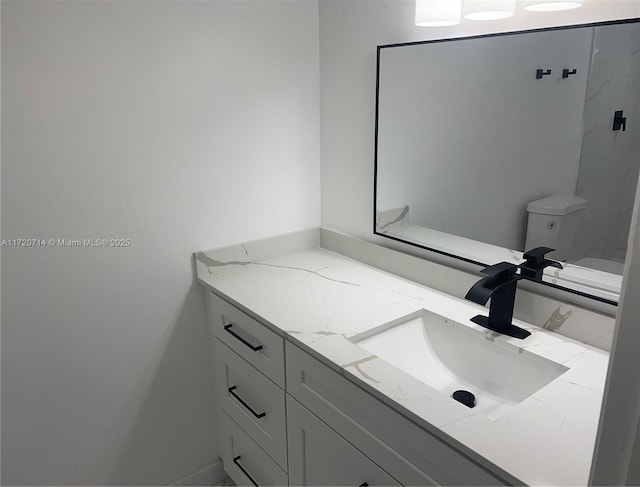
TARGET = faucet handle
(504,270)
(536,256)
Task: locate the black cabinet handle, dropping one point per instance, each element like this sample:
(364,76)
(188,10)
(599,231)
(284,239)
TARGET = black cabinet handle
(228,329)
(235,460)
(251,410)
(364,484)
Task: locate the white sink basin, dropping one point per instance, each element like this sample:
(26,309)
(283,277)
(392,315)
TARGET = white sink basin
(449,356)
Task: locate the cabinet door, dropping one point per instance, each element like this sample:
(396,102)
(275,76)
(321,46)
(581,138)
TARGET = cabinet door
(411,454)
(320,456)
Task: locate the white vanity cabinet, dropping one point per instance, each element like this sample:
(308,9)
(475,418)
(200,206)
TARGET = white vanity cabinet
(249,383)
(321,429)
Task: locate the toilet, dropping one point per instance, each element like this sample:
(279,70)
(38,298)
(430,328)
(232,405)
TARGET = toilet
(553,222)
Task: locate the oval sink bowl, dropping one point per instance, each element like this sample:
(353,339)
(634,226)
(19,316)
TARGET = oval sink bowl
(449,356)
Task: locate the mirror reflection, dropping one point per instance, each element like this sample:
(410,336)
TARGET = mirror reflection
(490,146)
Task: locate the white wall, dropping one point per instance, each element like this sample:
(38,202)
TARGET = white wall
(462,122)
(350,30)
(182,126)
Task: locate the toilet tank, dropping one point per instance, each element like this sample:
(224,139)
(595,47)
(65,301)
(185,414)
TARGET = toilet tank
(553,222)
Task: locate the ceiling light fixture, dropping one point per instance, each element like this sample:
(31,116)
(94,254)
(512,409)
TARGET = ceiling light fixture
(438,13)
(551,5)
(489,9)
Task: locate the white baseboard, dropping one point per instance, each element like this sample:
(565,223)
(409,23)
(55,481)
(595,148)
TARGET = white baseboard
(208,475)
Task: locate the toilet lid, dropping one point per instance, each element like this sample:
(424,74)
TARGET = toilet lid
(557,205)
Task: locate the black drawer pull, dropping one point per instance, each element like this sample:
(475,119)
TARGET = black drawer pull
(235,460)
(257,415)
(364,484)
(228,329)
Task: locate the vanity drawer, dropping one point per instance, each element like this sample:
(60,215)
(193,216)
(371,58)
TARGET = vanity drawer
(244,461)
(320,456)
(254,342)
(409,453)
(253,402)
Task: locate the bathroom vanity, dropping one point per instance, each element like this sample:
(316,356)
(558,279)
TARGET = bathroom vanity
(319,365)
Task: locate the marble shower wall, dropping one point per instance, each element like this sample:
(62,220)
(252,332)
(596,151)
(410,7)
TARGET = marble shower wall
(610,161)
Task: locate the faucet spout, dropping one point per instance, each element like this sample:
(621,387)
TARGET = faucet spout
(498,276)
(500,286)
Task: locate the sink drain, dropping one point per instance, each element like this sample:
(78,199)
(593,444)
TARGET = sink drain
(465,397)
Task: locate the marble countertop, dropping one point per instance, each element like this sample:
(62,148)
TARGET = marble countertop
(319,299)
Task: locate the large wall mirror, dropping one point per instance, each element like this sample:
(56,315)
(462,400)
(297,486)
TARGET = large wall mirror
(488,145)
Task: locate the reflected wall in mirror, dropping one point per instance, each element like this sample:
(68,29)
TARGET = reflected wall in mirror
(472,133)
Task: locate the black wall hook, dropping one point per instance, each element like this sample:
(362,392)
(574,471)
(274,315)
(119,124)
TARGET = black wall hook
(566,73)
(619,122)
(540,73)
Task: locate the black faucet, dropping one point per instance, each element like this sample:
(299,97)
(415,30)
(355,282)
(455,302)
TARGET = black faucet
(535,262)
(500,286)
